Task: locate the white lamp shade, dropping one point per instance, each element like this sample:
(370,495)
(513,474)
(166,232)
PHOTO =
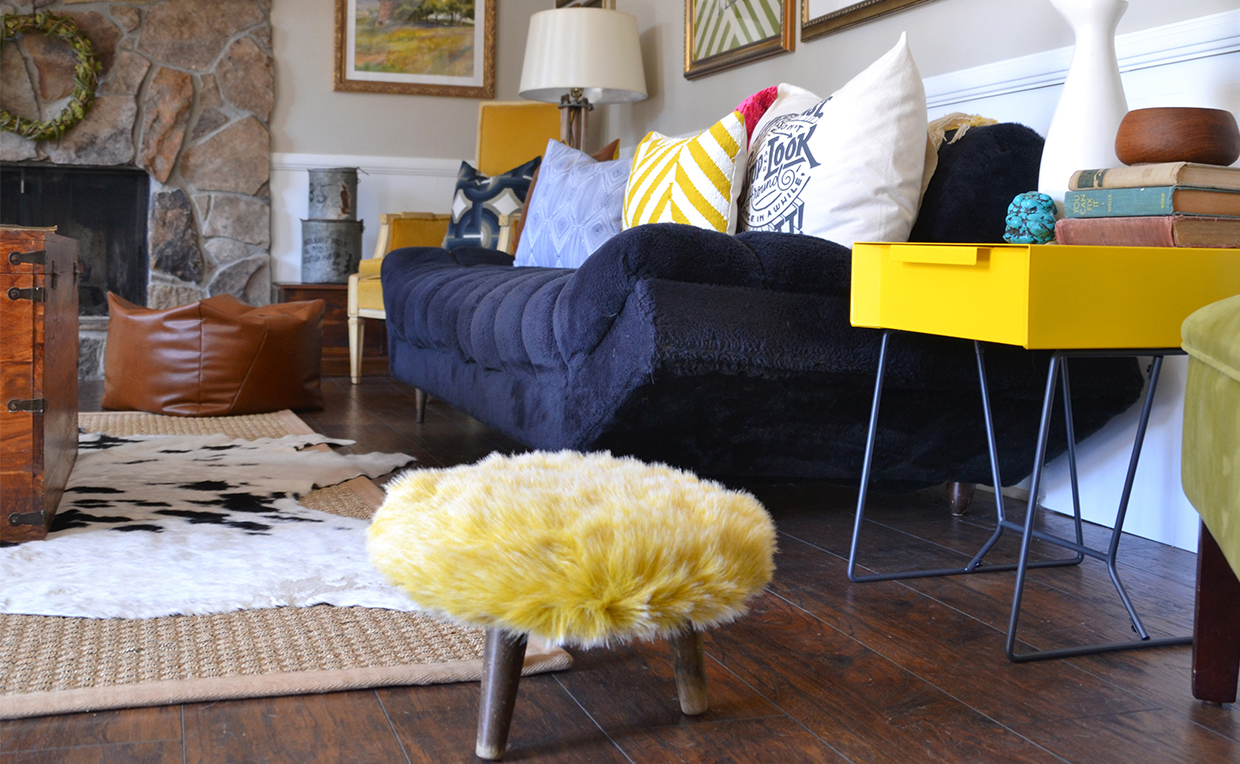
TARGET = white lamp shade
(594,49)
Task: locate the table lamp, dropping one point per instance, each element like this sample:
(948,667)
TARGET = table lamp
(580,58)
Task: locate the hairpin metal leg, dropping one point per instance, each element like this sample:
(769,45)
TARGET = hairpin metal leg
(1059,368)
(1122,512)
(1070,431)
(867,462)
(975,564)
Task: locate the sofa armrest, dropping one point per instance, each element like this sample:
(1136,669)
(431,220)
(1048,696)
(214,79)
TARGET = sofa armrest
(599,289)
(785,262)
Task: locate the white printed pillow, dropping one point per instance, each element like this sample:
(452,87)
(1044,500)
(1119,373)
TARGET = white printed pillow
(789,99)
(850,168)
(696,181)
(579,205)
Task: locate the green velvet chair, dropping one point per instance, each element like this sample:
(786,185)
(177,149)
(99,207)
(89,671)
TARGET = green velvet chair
(1210,472)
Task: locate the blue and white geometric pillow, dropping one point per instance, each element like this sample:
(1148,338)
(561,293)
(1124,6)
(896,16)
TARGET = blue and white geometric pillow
(479,200)
(579,205)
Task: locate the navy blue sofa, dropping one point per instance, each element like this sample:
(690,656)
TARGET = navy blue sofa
(733,356)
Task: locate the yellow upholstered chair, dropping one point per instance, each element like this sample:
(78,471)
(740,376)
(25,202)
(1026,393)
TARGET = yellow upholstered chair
(510,133)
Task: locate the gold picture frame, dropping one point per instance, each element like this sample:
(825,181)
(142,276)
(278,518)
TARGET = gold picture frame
(833,15)
(457,76)
(717,38)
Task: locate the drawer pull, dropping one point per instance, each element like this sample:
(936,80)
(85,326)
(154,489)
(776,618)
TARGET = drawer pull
(935,255)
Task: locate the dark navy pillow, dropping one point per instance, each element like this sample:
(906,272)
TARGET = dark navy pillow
(480,200)
(977,176)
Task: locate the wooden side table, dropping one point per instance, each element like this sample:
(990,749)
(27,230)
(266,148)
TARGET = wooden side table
(335,329)
(1074,301)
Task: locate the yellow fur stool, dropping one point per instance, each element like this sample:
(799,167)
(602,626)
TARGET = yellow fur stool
(578,549)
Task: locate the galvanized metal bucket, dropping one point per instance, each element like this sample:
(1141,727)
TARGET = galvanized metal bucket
(330,250)
(333,194)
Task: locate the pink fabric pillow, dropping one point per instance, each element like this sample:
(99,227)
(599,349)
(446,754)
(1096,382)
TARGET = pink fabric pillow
(753,107)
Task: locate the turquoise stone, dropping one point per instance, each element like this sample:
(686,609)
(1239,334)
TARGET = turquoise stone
(1030,219)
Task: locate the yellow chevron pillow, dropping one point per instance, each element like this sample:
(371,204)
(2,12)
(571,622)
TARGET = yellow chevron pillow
(695,180)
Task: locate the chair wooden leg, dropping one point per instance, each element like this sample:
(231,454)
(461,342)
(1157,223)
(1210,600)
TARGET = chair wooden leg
(959,495)
(503,655)
(1216,625)
(419,403)
(357,330)
(689,659)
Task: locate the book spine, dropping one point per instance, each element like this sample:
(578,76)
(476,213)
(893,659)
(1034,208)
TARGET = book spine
(1126,177)
(1119,202)
(1152,231)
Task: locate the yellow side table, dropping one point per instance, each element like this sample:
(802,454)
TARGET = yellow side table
(1073,301)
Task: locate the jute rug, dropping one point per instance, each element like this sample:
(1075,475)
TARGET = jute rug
(64,665)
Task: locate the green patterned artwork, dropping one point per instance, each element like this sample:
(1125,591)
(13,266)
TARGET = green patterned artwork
(725,25)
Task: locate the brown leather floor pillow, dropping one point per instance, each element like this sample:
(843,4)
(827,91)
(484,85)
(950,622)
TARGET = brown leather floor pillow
(214,357)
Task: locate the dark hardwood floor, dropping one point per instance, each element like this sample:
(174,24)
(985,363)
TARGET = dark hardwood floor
(820,671)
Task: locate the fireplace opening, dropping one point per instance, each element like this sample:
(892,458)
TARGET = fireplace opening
(103,208)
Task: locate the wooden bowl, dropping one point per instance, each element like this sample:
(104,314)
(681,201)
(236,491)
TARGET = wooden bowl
(1178,134)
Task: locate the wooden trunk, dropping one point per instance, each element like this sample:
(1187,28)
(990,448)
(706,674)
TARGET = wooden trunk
(38,377)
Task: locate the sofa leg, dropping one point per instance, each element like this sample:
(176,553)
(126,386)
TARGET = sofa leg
(689,660)
(958,496)
(419,403)
(357,330)
(503,655)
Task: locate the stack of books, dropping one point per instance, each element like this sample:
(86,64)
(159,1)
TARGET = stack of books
(1174,204)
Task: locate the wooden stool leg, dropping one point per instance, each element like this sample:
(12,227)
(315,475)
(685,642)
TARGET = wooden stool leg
(1216,625)
(690,661)
(419,403)
(502,658)
(959,495)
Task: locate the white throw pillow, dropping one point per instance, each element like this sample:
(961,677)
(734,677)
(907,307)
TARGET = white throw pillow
(848,169)
(789,99)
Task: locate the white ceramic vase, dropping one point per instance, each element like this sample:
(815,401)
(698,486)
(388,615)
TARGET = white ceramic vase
(1082,132)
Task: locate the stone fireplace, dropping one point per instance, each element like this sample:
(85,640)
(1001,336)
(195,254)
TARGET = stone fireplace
(186,95)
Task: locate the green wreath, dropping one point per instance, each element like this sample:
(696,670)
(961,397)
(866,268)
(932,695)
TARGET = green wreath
(85,78)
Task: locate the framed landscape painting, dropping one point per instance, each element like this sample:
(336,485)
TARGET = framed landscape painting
(820,17)
(721,34)
(416,47)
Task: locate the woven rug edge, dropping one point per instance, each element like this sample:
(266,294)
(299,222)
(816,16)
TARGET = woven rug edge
(539,659)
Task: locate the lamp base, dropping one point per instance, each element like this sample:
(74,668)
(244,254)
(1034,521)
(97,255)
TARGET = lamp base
(573,109)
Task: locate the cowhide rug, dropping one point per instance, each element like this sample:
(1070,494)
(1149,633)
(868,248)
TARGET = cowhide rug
(163,525)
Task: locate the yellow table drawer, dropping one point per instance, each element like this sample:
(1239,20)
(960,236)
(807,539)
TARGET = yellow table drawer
(1039,296)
